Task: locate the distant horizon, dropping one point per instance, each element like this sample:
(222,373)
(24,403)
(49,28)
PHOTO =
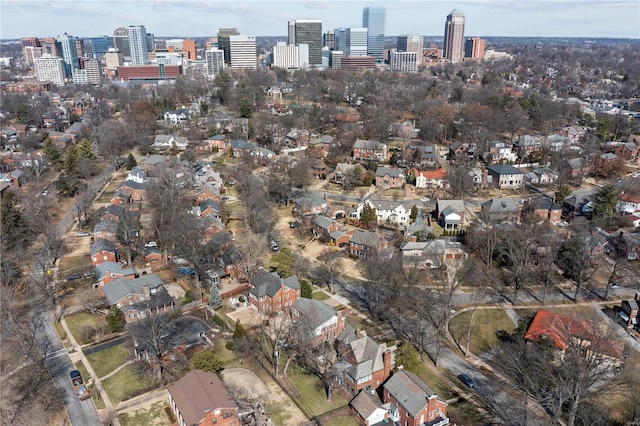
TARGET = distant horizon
(615,19)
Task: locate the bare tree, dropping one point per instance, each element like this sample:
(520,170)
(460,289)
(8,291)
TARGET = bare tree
(83,205)
(251,247)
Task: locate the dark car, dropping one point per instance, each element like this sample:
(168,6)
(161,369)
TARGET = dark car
(183,270)
(293,224)
(73,277)
(467,380)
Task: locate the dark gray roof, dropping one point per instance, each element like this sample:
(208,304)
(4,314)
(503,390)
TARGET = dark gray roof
(106,226)
(240,144)
(323,221)
(268,284)
(105,245)
(505,169)
(393,172)
(114,268)
(410,391)
(310,202)
(133,185)
(365,404)
(500,205)
(114,209)
(544,203)
(366,238)
(314,312)
(123,287)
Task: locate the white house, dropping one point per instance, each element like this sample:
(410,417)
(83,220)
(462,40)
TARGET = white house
(176,117)
(628,204)
(170,141)
(390,211)
(136,175)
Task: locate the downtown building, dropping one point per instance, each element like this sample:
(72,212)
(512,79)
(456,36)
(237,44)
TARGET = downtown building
(454,37)
(215,62)
(90,72)
(242,52)
(290,56)
(138,46)
(411,43)
(373,20)
(403,61)
(474,49)
(69,53)
(307,32)
(50,68)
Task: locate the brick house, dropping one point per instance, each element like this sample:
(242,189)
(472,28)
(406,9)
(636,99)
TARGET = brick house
(543,208)
(106,230)
(110,271)
(152,254)
(576,167)
(500,210)
(137,190)
(310,206)
(629,312)
(365,364)
(505,176)
(200,398)
(138,297)
(239,148)
(323,227)
(628,204)
(366,243)
(366,150)
(389,178)
(112,212)
(209,192)
(424,155)
(628,151)
(412,402)
(316,322)
(430,254)
(217,141)
(461,153)
(271,294)
(103,251)
(322,145)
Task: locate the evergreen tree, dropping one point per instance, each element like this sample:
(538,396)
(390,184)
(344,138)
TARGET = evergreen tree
(85,150)
(207,361)
(306,289)
(11,221)
(115,318)
(52,152)
(408,357)
(562,193)
(605,201)
(71,161)
(215,301)
(131,162)
(414,212)
(283,262)
(368,215)
(239,333)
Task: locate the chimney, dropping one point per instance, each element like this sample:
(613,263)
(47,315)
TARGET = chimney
(637,297)
(146,292)
(358,333)
(386,360)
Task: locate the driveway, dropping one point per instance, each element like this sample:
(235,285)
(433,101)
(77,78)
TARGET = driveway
(245,382)
(247,315)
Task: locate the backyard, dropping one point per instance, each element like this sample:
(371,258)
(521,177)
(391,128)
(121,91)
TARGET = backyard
(312,394)
(152,416)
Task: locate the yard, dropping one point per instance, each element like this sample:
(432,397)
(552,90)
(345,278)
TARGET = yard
(73,264)
(105,361)
(486,322)
(77,322)
(319,295)
(464,413)
(153,416)
(341,421)
(312,395)
(124,383)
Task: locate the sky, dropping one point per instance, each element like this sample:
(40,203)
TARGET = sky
(200,18)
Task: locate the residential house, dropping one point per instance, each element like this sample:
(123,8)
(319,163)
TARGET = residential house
(17,177)
(576,167)
(606,159)
(527,145)
(152,254)
(389,211)
(541,176)
(106,230)
(500,210)
(271,294)
(240,148)
(137,174)
(154,161)
(366,243)
(628,151)
(175,117)
(60,140)
(315,322)
(450,214)
(112,212)
(164,142)
(556,143)
(573,206)
(323,227)
(461,153)
(218,142)
(138,191)
(208,192)
(103,251)
(263,156)
(364,363)
(629,312)
(389,178)
(543,208)
(109,271)
(318,167)
(200,398)
(431,254)
(564,331)
(368,410)
(412,402)
(430,178)
(506,176)
(366,150)
(422,155)
(310,206)
(322,145)
(500,152)
(628,204)
(138,298)
(342,171)
(625,244)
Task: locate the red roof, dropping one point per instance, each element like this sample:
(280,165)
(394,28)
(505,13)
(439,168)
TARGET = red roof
(629,198)
(432,174)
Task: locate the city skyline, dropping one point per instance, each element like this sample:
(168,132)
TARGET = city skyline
(533,18)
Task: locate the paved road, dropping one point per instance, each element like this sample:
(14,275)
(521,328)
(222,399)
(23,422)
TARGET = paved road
(57,359)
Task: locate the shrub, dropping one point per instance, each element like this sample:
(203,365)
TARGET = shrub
(229,345)
(188,296)
(241,299)
(169,412)
(220,321)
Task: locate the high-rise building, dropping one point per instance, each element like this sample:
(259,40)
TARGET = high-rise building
(51,46)
(411,43)
(356,43)
(336,59)
(340,35)
(474,49)
(50,68)
(330,40)
(30,53)
(242,50)
(90,72)
(215,62)
(99,46)
(121,41)
(189,46)
(138,45)
(151,42)
(373,20)
(454,36)
(173,44)
(403,61)
(223,41)
(290,56)
(29,43)
(114,59)
(308,32)
(69,53)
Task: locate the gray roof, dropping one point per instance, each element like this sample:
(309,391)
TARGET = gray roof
(458,205)
(112,267)
(314,312)
(367,354)
(324,139)
(505,169)
(154,159)
(268,284)
(133,185)
(393,172)
(545,203)
(500,205)
(323,221)
(367,144)
(105,245)
(366,238)
(633,304)
(577,163)
(240,144)
(123,287)
(437,247)
(310,202)
(114,209)
(410,391)
(106,226)
(365,404)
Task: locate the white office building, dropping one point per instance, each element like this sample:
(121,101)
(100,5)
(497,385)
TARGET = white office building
(290,56)
(138,45)
(242,52)
(356,42)
(403,61)
(215,62)
(170,58)
(411,43)
(50,68)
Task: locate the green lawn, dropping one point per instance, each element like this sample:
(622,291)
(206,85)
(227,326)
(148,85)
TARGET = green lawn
(464,413)
(104,362)
(314,398)
(124,383)
(77,322)
(341,421)
(153,415)
(319,295)
(434,380)
(483,330)
(95,395)
(277,413)
(105,197)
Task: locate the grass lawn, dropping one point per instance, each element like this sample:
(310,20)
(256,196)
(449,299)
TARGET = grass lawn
(431,376)
(228,358)
(319,295)
(124,383)
(95,395)
(314,398)
(153,415)
(464,413)
(360,323)
(104,362)
(61,334)
(277,413)
(483,330)
(77,321)
(342,421)
(70,264)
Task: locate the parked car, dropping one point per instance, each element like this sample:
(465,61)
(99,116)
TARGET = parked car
(224,197)
(73,277)
(45,192)
(88,274)
(293,224)
(274,246)
(467,380)
(151,244)
(84,234)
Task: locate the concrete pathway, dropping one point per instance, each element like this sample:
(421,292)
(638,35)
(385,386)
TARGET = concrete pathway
(143,401)
(117,369)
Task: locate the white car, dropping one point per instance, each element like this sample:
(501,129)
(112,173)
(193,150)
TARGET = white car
(151,244)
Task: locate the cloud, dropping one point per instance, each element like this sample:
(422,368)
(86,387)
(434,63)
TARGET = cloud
(317,4)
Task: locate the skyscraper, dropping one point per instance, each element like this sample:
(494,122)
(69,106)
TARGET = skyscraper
(242,50)
(50,68)
(99,46)
(223,41)
(474,49)
(69,53)
(411,43)
(373,20)
(215,62)
(454,36)
(121,41)
(356,42)
(138,45)
(308,32)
